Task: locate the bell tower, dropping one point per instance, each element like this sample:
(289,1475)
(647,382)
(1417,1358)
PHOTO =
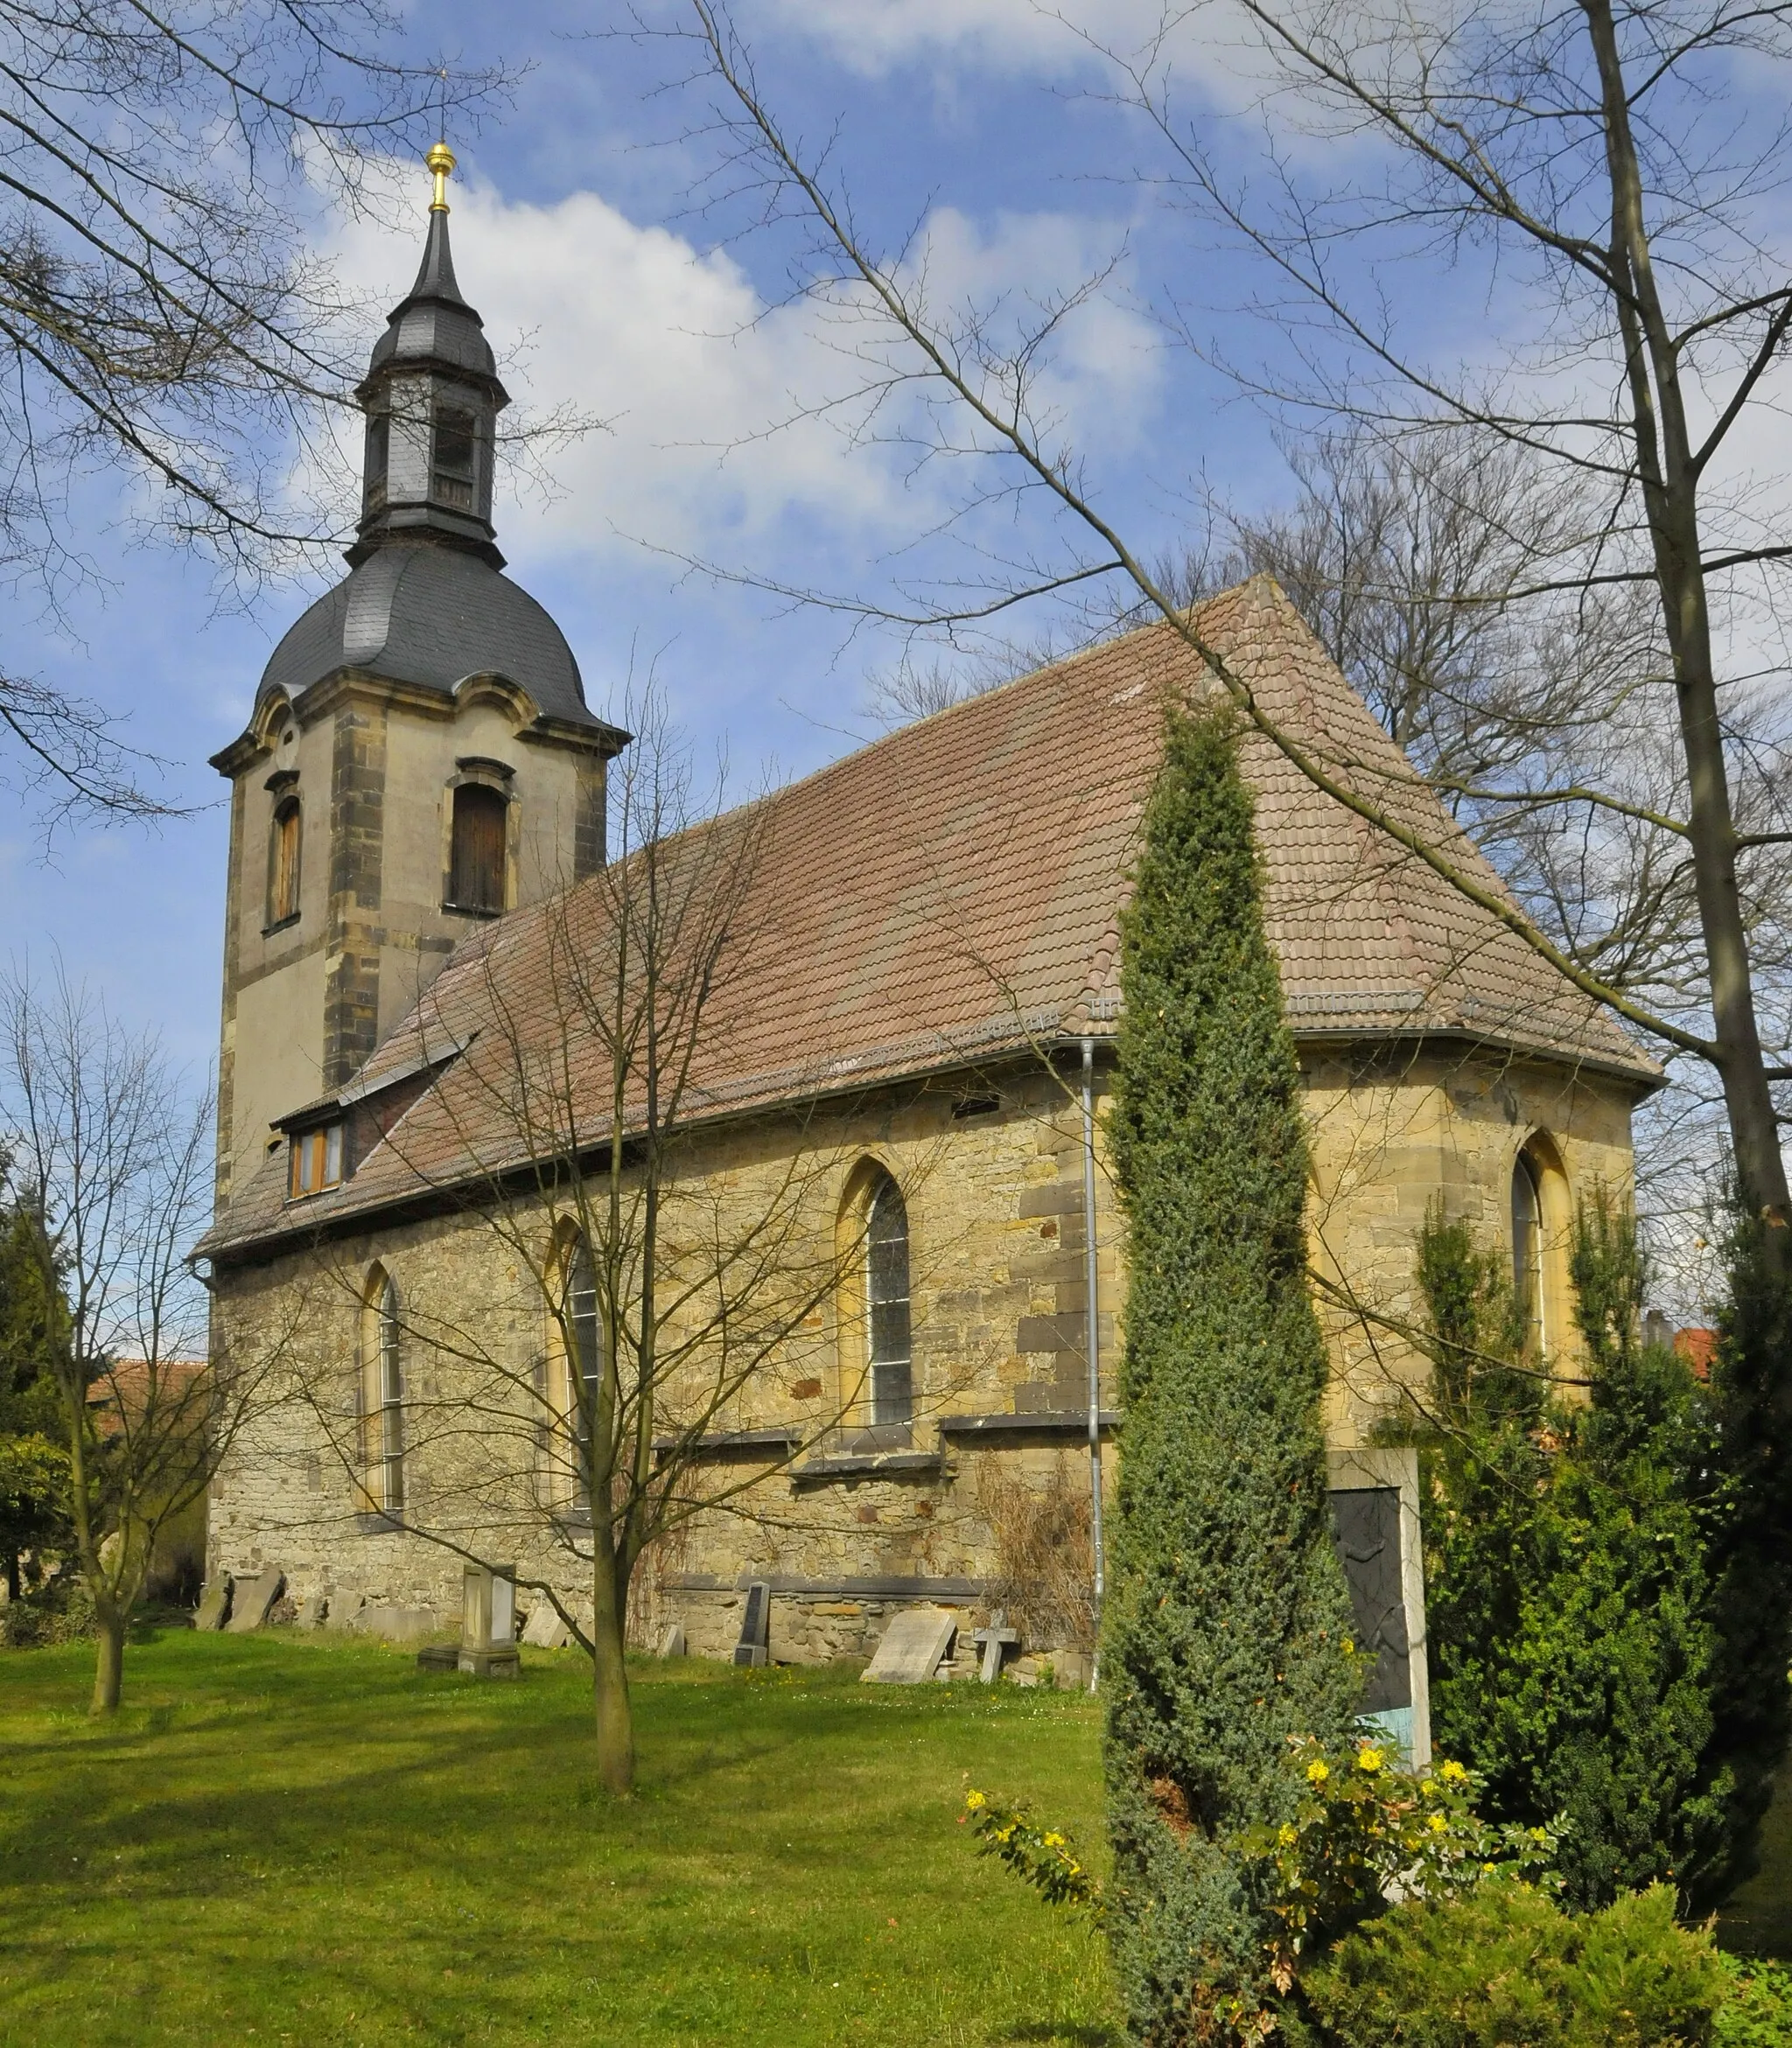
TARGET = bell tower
(420,758)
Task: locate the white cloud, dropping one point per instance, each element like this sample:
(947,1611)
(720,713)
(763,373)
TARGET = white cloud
(715,441)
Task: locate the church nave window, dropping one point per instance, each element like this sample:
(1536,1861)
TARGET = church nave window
(887,1304)
(583,1365)
(284,843)
(314,1161)
(454,457)
(382,1397)
(476,865)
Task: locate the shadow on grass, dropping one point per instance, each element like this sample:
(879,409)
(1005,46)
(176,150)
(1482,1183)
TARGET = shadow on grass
(1081,2037)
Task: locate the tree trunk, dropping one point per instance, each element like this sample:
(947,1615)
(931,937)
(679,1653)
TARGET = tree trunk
(108,1673)
(1670,474)
(12,1581)
(615,1717)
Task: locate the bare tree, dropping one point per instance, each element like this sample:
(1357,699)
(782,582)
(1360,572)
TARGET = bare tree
(112,1156)
(1569,141)
(657,1295)
(159,316)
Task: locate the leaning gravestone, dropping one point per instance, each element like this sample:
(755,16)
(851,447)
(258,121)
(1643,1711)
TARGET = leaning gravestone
(672,1642)
(252,1599)
(544,1629)
(214,1606)
(912,1647)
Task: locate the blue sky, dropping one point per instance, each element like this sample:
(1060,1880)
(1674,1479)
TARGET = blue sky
(605,285)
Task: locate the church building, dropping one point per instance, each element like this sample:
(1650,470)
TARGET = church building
(889,1143)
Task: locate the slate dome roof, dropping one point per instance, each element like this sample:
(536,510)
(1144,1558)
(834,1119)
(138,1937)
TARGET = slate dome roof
(430,615)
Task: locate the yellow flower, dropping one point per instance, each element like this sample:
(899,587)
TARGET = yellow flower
(1053,1839)
(1436,1823)
(1349,1647)
(1317,1773)
(1368,1758)
(1286,1836)
(1453,1773)
(1427,1785)
(1539,1835)
(975,1800)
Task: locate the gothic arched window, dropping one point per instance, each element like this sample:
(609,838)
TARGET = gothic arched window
(476,864)
(584,1364)
(284,841)
(382,1396)
(887,1304)
(1528,1250)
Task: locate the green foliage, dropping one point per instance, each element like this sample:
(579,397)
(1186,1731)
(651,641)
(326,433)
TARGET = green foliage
(1226,1611)
(1569,1588)
(1757,2008)
(1503,1966)
(1364,1831)
(34,1465)
(1046,1858)
(1750,1522)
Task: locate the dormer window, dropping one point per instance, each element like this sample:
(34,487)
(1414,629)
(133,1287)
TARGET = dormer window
(314,1161)
(454,457)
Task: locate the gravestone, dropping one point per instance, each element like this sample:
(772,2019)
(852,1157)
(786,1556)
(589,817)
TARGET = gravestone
(672,1642)
(544,1629)
(488,1621)
(995,1641)
(755,1625)
(438,1657)
(914,1646)
(252,1599)
(214,1605)
(395,1624)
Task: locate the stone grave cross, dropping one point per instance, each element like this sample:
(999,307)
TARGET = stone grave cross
(993,1641)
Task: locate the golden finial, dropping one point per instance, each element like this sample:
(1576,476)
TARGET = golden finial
(441,161)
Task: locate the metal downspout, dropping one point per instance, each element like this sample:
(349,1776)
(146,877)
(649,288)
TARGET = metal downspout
(1092,1341)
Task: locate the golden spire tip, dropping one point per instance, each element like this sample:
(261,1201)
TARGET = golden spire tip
(440,160)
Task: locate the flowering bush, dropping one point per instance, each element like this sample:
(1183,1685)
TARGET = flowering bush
(1364,1833)
(1044,1857)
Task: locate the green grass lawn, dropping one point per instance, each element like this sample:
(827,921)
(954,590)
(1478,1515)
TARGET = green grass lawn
(286,1839)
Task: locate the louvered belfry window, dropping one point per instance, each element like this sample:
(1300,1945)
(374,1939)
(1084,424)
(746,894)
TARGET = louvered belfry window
(454,457)
(283,862)
(476,868)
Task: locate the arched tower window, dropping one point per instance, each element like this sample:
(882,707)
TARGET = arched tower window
(477,863)
(379,456)
(887,1304)
(382,1396)
(284,842)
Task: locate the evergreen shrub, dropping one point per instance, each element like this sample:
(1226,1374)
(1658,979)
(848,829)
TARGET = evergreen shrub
(1504,1967)
(1226,1620)
(1568,1581)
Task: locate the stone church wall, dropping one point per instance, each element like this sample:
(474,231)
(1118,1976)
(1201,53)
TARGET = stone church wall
(995,1208)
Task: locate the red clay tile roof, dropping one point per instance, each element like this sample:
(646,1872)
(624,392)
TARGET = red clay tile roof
(952,891)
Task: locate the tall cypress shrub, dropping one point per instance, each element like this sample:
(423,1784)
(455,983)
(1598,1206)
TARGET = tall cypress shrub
(1227,1616)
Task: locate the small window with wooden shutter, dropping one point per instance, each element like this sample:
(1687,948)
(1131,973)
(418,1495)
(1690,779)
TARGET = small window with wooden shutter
(283,849)
(476,867)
